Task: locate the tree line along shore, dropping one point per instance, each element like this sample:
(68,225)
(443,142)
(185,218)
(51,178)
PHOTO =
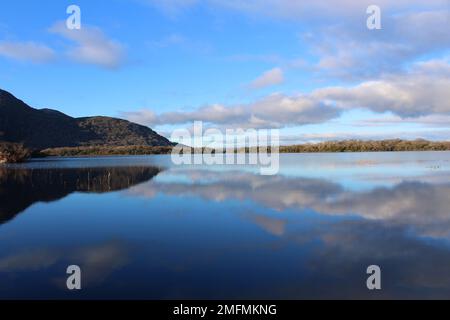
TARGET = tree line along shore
(16,152)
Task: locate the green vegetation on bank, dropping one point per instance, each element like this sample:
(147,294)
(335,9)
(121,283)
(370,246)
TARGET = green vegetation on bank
(368,146)
(104,151)
(17,152)
(330,146)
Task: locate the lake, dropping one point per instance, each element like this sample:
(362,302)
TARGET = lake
(141,227)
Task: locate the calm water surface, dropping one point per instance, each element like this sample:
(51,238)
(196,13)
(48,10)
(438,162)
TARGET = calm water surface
(140,227)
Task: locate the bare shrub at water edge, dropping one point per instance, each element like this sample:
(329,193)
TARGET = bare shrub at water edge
(13,152)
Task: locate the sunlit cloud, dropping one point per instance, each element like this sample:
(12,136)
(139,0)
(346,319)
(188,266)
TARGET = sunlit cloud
(423,90)
(91,46)
(27,51)
(269,78)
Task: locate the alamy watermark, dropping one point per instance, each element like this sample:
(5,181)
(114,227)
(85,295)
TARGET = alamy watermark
(374,280)
(235,146)
(74,280)
(73,22)
(373,22)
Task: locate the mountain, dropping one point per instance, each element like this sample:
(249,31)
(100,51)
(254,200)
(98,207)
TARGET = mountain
(20,187)
(47,128)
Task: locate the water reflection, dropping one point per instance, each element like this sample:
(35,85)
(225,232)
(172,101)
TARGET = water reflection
(203,232)
(422,205)
(21,187)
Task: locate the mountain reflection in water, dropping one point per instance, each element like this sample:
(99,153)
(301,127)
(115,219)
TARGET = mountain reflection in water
(227,232)
(21,187)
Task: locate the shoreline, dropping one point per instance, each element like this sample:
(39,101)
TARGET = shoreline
(394,145)
(168,154)
(18,151)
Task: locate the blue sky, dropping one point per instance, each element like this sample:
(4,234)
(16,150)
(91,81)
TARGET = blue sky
(312,69)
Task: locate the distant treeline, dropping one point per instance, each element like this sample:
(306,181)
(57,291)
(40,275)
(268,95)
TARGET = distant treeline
(15,152)
(103,151)
(368,146)
(329,146)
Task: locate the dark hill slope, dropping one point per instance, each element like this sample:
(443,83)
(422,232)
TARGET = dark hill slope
(47,128)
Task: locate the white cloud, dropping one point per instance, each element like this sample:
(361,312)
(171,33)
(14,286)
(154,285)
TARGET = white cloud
(421,91)
(380,64)
(295,9)
(26,51)
(424,90)
(274,111)
(432,120)
(336,10)
(350,51)
(269,78)
(91,46)
(339,39)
